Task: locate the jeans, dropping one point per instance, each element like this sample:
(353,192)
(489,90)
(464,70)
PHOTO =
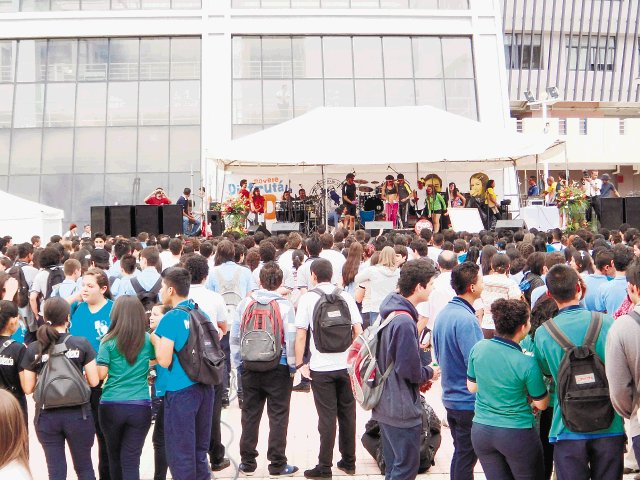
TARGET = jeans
(635,442)
(187,428)
(190,229)
(403,213)
(216,448)
(546,417)
(597,459)
(103,456)
(53,428)
(226,348)
(508,453)
(401,450)
(334,400)
(159,452)
(273,388)
(464,457)
(391,212)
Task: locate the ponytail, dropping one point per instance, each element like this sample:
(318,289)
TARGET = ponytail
(8,310)
(56,314)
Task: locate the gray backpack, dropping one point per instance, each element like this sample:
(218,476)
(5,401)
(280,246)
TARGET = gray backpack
(230,290)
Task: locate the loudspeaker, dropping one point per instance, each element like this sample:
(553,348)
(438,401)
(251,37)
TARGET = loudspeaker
(285,227)
(611,213)
(147,219)
(121,220)
(259,228)
(514,225)
(632,211)
(171,220)
(216,222)
(100,219)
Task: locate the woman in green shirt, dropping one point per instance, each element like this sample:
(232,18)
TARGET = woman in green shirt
(435,206)
(125,406)
(505,379)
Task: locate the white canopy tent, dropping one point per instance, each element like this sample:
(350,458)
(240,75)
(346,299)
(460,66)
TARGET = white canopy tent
(23,218)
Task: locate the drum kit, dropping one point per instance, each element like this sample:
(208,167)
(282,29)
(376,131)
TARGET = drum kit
(369,198)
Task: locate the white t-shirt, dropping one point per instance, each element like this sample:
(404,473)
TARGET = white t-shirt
(496,286)
(422,197)
(433,253)
(441,294)
(14,470)
(286,259)
(168,260)
(337,262)
(210,303)
(324,362)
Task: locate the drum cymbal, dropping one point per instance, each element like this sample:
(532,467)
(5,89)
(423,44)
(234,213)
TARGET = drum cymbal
(365,189)
(375,182)
(361,181)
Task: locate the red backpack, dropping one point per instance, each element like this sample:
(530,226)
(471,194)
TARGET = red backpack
(261,336)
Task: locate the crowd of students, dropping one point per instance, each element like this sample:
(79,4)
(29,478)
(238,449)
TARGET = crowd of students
(499,316)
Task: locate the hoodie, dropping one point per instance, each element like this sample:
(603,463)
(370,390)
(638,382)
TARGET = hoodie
(400,404)
(382,281)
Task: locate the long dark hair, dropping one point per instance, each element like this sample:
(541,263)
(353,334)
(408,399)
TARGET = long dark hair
(350,268)
(102,280)
(128,327)
(544,309)
(56,313)
(490,184)
(455,190)
(8,310)
(488,251)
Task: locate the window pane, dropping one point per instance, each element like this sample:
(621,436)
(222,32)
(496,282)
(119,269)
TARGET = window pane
(245,3)
(305,3)
(65,4)
(461,98)
(91,106)
(185,103)
(5,136)
(93,59)
(334,3)
(148,183)
(399,93)
(454,4)
(87,191)
(185,149)
(25,186)
(57,151)
(277,101)
(247,101)
(185,58)
(123,103)
(246,57)
(123,58)
(9,5)
(119,189)
(193,4)
(178,181)
(367,57)
(7,60)
(32,60)
(458,60)
(89,150)
(307,94)
(369,93)
(121,149)
(307,57)
(238,131)
(337,57)
(6,105)
(95,4)
(154,58)
(394,3)
(4,179)
(427,57)
(423,3)
(51,186)
(338,93)
(153,149)
(397,57)
(34,5)
(25,151)
(61,99)
(62,57)
(365,3)
(154,103)
(29,105)
(276,57)
(430,92)
(125,4)
(150,4)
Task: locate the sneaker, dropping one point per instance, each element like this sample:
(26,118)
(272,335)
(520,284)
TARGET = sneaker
(285,471)
(240,401)
(315,472)
(221,465)
(246,470)
(346,468)
(225,402)
(302,387)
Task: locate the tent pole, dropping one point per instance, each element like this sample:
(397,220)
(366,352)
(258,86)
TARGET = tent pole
(217,168)
(566,164)
(537,172)
(324,197)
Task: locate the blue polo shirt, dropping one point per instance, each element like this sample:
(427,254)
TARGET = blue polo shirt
(92,326)
(612,294)
(593,282)
(246,282)
(147,278)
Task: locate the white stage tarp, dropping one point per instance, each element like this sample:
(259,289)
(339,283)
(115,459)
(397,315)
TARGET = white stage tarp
(23,218)
(540,217)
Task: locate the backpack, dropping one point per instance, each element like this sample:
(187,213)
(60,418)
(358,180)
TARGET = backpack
(148,298)
(201,357)
(56,276)
(3,383)
(362,364)
(230,290)
(60,382)
(261,336)
(582,385)
(22,297)
(530,281)
(331,322)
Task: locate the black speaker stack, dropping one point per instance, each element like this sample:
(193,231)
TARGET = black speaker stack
(130,220)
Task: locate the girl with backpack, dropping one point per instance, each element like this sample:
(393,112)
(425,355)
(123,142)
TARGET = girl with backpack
(11,354)
(14,442)
(73,424)
(125,406)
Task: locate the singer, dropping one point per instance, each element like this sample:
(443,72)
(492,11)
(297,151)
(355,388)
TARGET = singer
(349,198)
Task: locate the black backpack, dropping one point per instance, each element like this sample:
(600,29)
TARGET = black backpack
(201,357)
(56,276)
(582,385)
(23,287)
(3,382)
(530,281)
(148,298)
(331,322)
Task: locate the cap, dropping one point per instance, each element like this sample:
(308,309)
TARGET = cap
(100,255)
(605,176)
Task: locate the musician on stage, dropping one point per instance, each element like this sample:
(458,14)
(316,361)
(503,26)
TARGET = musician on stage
(390,197)
(404,196)
(190,226)
(435,206)
(349,199)
(302,195)
(257,206)
(244,193)
(419,198)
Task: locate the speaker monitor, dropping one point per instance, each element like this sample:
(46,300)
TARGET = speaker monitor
(100,219)
(632,211)
(514,225)
(285,227)
(121,220)
(171,220)
(147,219)
(216,222)
(611,213)
(253,229)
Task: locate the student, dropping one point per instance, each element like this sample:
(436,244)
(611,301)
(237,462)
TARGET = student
(125,405)
(503,378)
(148,275)
(74,425)
(604,271)
(11,354)
(613,293)
(188,406)
(69,286)
(497,284)
(14,443)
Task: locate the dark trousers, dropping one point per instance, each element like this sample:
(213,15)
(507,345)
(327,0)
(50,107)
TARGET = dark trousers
(274,388)
(508,453)
(464,458)
(401,450)
(103,455)
(159,452)
(187,429)
(125,429)
(403,211)
(594,203)
(216,448)
(597,459)
(224,344)
(635,442)
(53,428)
(333,397)
(546,417)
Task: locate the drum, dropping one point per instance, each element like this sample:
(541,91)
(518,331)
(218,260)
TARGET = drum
(374,203)
(423,223)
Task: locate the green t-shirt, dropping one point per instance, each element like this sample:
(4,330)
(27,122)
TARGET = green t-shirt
(573,322)
(505,376)
(527,347)
(125,382)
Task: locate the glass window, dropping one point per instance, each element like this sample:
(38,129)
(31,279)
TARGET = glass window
(427,57)
(154,103)
(430,92)
(65,4)
(25,151)
(276,57)
(123,103)
(454,4)
(7,60)
(338,93)
(34,5)
(245,3)
(185,58)
(307,94)
(60,100)
(461,98)
(93,59)
(51,192)
(89,150)
(9,5)
(276,99)
(25,186)
(397,57)
(4,180)
(457,57)
(307,57)
(62,58)
(5,140)
(338,62)
(149,182)
(431,4)
(185,102)
(238,131)
(394,3)
(365,3)
(119,189)
(122,146)
(153,149)
(176,4)
(334,3)
(369,93)
(247,101)
(29,104)
(125,4)
(399,93)
(95,4)
(185,149)
(154,58)
(57,151)
(246,57)
(123,57)
(32,60)
(86,192)
(149,4)
(305,3)
(6,105)
(367,57)
(177,182)
(91,105)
